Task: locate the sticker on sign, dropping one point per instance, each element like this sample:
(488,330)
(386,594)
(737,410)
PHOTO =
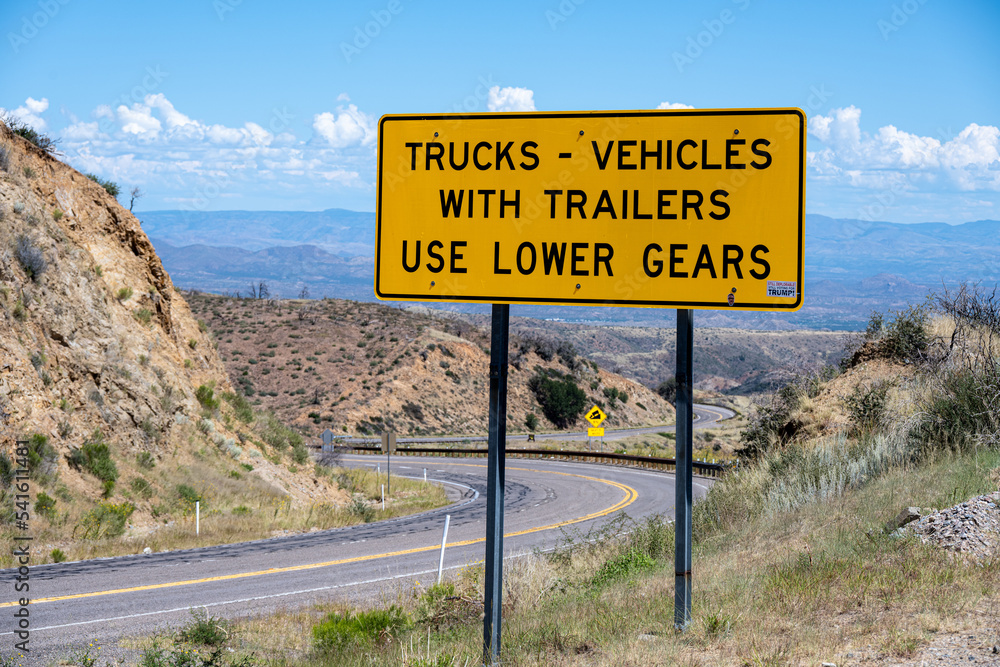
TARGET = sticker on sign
(781,288)
(666,208)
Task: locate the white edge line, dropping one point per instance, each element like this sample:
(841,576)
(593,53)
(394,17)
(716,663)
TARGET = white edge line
(253,599)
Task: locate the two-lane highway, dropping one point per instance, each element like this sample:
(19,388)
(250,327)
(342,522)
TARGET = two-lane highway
(104,600)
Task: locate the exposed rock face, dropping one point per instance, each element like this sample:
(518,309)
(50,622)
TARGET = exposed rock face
(92,333)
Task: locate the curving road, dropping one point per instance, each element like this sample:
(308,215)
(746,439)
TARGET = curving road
(106,599)
(705,416)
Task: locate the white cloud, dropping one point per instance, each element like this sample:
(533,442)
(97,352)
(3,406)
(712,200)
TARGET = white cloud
(36,106)
(81,131)
(350,128)
(976,145)
(510,99)
(30,112)
(893,158)
(172,116)
(187,161)
(674,105)
(138,120)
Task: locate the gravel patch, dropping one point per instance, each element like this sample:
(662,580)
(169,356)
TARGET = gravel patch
(971,528)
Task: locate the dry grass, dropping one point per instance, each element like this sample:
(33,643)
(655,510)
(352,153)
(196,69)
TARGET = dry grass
(236,504)
(269,517)
(784,586)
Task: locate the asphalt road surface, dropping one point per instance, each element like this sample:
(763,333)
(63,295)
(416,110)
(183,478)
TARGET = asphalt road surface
(104,600)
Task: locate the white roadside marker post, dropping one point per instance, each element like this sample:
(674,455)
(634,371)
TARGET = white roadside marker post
(444,539)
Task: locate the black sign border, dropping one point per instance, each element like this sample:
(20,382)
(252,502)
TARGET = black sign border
(702,305)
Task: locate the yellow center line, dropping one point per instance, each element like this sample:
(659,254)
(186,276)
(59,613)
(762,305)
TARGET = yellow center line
(630,497)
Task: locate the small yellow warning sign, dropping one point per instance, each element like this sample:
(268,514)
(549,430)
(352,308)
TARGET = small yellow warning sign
(595,432)
(596,416)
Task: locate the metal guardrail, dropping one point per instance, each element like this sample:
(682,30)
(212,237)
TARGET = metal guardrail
(649,462)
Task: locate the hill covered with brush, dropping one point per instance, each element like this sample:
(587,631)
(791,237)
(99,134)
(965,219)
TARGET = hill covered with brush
(363,368)
(114,386)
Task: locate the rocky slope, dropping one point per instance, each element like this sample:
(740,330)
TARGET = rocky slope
(94,338)
(92,331)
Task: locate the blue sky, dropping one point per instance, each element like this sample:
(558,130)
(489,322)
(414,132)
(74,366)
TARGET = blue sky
(243,104)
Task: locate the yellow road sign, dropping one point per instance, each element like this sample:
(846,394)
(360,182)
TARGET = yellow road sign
(596,416)
(685,209)
(595,432)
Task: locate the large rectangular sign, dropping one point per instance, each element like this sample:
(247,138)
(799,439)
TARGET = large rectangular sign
(683,209)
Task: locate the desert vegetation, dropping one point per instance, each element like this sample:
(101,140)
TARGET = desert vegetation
(794,561)
(361,369)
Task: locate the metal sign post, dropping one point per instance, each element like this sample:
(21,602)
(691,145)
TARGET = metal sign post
(449,229)
(682,481)
(494,483)
(388,446)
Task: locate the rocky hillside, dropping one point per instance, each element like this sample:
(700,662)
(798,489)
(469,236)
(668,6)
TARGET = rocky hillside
(92,333)
(361,368)
(101,359)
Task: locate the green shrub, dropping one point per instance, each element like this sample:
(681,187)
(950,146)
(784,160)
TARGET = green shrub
(432,608)
(866,405)
(58,556)
(95,457)
(359,508)
(768,425)
(241,406)
(278,436)
(7,472)
(22,129)
(144,316)
(124,294)
(105,520)
(142,488)
(41,457)
(623,566)
(900,336)
(145,460)
(962,411)
(189,495)
(204,629)
(109,186)
(45,505)
(19,312)
(531,421)
(206,396)
(300,453)
(561,400)
(366,628)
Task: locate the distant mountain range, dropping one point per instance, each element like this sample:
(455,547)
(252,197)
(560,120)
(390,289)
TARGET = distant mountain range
(337,231)
(852,266)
